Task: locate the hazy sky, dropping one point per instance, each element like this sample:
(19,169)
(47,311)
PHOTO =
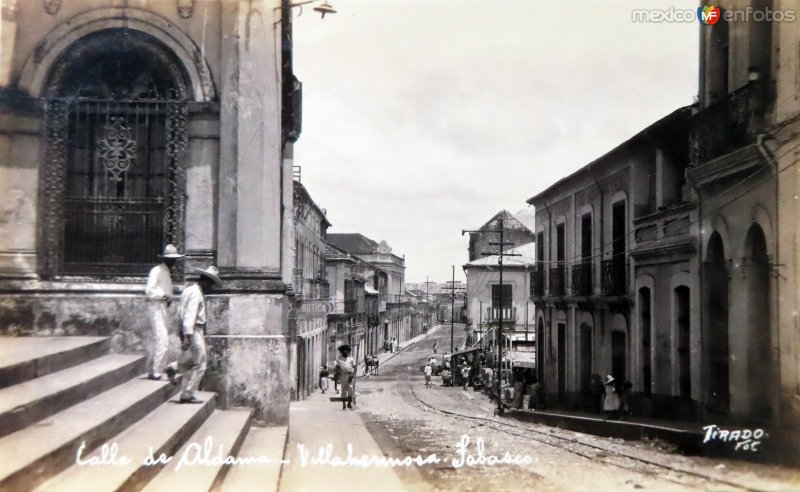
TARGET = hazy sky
(425,117)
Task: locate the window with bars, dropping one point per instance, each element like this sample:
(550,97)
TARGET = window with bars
(113,185)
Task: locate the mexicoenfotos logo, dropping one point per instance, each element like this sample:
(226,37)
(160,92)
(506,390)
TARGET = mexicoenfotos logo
(711,14)
(708,15)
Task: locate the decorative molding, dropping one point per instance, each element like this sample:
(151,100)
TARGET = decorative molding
(52,6)
(727,165)
(185,8)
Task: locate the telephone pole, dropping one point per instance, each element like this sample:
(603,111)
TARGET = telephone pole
(500,254)
(427,307)
(452,307)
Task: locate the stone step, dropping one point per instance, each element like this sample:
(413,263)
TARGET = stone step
(25,403)
(260,442)
(163,430)
(31,455)
(25,358)
(221,435)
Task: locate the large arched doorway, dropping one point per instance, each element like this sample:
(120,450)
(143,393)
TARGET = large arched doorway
(585,362)
(540,350)
(759,352)
(716,300)
(113,184)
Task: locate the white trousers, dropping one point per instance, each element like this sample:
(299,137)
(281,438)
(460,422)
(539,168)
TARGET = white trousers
(193,364)
(160,337)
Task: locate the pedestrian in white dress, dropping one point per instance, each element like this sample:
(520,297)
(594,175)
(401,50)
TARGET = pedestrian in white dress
(193,319)
(159,297)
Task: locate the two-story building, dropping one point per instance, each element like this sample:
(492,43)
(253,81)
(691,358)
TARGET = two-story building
(311,294)
(387,271)
(585,284)
(484,296)
(743,153)
(489,303)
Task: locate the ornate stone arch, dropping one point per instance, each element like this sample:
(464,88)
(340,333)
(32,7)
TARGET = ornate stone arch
(37,68)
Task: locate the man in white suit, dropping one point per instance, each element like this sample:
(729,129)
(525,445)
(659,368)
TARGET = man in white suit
(159,297)
(193,325)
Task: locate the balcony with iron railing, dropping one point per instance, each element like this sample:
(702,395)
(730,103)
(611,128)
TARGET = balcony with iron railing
(614,277)
(582,279)
(557,281)
(537,282)
(493,314)
(727,125)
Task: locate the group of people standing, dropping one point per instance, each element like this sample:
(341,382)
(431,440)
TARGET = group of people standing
(391,346)
(192,317)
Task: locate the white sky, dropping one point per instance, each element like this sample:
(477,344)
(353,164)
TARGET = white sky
(425,117)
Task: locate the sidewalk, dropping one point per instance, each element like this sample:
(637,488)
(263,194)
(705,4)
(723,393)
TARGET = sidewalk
(316,423)
(689,437)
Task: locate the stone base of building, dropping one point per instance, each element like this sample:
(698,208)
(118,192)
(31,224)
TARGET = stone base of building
(248,349)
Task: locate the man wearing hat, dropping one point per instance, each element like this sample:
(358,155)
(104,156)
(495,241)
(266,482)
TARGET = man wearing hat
(159,297)
(346,365)
(192,312)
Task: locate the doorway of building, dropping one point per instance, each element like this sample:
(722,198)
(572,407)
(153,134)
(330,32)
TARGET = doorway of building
(683,320)
(716,298)
(759,356)
(646,337)
(540,351)
(585,361)
(562,362)
(618,355)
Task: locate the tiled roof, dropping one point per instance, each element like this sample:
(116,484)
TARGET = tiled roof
(353,243)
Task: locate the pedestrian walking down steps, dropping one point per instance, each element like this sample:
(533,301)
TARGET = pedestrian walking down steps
(159,298)
(192,364)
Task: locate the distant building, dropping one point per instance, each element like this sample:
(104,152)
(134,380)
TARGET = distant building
(515,232)
(310,285)
(376,254)
(488,300)
(395,311)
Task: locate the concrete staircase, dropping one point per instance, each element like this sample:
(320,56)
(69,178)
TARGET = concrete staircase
(65,397)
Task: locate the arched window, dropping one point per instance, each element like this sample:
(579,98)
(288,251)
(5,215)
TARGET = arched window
(113,184)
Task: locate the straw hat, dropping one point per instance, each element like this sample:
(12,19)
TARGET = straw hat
(170,251)
(211,272)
